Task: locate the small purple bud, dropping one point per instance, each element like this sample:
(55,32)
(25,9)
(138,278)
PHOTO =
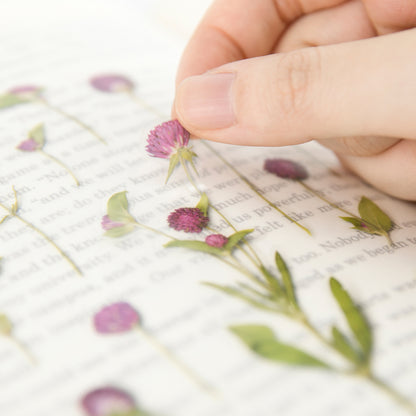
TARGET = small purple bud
(165,139)
(216,240)
(108,224)
(116,318)
(29,145)
(26,91)
(107,401)
(190,220)
(285,168)
(112,83)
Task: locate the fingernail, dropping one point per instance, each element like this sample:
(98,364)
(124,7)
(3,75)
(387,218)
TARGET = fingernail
(204,101)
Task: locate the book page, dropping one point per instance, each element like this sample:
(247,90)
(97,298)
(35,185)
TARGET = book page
(58,356)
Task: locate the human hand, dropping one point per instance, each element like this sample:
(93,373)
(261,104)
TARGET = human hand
(353,96)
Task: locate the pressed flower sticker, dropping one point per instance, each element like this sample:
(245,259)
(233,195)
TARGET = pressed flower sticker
(110,401)
(35,143)
(12,212)
(170,140)
(6,330)
(372,219)
(121,317)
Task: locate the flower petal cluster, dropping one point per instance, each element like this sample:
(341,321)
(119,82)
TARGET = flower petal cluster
(190,220)
(107,401)
(112,83)
(165,140)
(29,145)
(216,240)
(115,318)
(285,168)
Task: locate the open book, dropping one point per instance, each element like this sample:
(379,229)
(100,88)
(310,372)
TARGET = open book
(285,310)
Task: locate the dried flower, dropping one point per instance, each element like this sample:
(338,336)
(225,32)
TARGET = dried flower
(29,145)
(285,168)
(107,401)
(29,92)
(108,224)
(216,240)
(165,139)
(190,220)
(115,318)
(112,83)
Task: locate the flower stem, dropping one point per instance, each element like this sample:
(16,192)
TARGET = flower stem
(172,358)
(23,349)
(146,227)
(254,188)
(143,104)
(41,233)
(54,159)
(72,118)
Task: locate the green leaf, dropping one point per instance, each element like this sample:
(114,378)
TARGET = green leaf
(173,162)
(203,204)
(355,318)
(272,281)
(197,246)
(10,100)
(287,279)
(343,346)
(6,326)
(134,412)
(370,212)
(38,134)
(117,208)
(261,340)
(236,238)
(234,292)
(358,223)
(120,231)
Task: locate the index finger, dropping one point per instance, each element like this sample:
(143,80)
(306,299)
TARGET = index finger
(237,29)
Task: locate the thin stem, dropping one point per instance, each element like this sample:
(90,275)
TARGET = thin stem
(48,239)
(254,188)
(172,358)
(72,118)
(23,349)
(134,97)
(54,159)
(146,227)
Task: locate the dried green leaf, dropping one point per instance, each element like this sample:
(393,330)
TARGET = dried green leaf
(10,100)
(117,208)
(38,134)
(371,212)
(274,284)
(120,231)
(197,246)
(236,238)
(6,327)
(173,162)
(261,340)
(203,204)
(287,279)
(343,346)
(356,320)
(360,224)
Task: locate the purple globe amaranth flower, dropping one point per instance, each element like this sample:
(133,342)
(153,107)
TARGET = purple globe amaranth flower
(29,145)
(26,91)
(216,240)
(166,139)
(107,401)
(115,318)
(190,220)
(285,168)
(108,224)
(112,83)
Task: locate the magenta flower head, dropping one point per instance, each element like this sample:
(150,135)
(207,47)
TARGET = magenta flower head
(116,318)
(28,92)
(107,401)
(190,220)
(29,145)
(216,240)
(285,168)
(112,83)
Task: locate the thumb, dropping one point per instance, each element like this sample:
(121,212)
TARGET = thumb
(359,88)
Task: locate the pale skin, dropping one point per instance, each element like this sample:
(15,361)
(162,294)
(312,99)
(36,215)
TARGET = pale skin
(282,72)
